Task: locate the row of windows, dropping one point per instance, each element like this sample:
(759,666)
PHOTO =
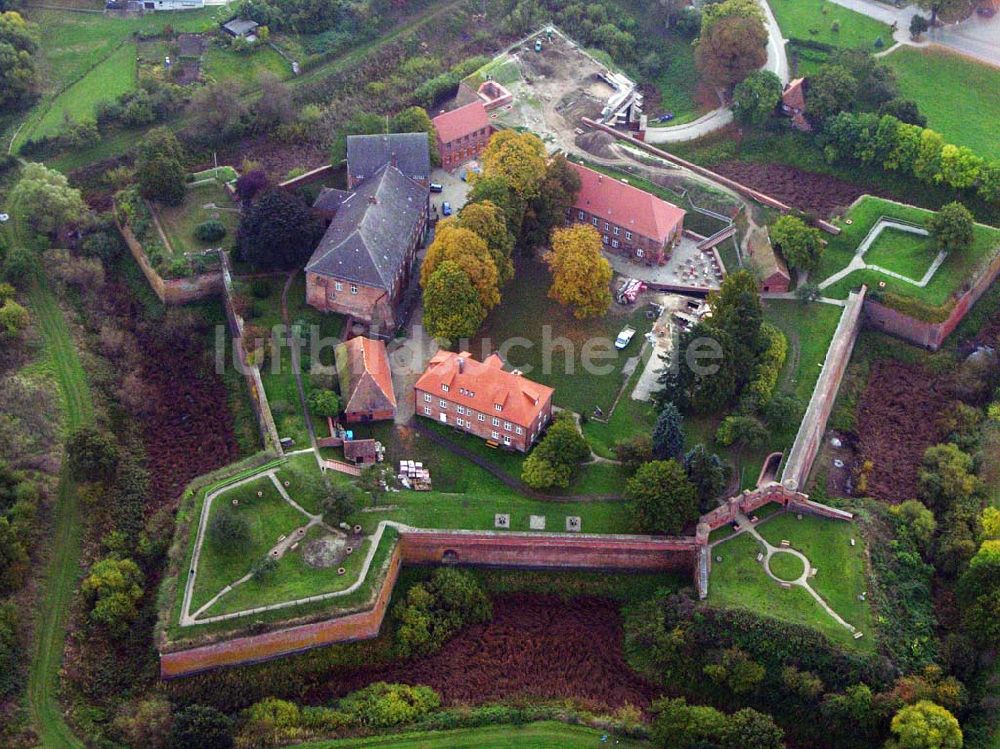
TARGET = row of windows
(443,405)
(339,286)
(639,252)
(481,133)
(607,226)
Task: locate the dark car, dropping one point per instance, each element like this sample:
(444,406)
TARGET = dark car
(437,187)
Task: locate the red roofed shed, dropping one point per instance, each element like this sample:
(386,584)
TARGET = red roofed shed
(365,380)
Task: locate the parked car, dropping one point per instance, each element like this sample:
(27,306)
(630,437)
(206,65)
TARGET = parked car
(665,117)
(625,337)
(437,187)
(446,208)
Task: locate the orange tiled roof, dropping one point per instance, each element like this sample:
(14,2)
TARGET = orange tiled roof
(481,385)
(462,121)
(794,95)
(367,369)
(625,205)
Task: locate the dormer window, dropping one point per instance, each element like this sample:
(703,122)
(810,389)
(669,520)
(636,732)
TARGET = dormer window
(498,406)
(444,387)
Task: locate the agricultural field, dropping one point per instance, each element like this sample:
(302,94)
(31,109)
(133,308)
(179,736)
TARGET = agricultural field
(203,202)
(829,23)
(959,97)
(958,269)
(739,580)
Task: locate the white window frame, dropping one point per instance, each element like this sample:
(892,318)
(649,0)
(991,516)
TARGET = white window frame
(639,252)
(427,410)
(595,221)
(614,243)
(354,288)
(443,404)
(481,417)
(519,430)
(507,426)
(496,421)
(618,230)
(628,235)
(495,435)
(498,406)
(444,387)
(580,215)
(427,398)
(337,285)
(506,439)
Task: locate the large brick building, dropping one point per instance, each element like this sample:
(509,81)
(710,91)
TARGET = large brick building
(364,261)
(632,222)
(408,152)
(481,398)
(462,134)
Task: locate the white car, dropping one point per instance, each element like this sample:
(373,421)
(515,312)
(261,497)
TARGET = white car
(4,218)
(625,337)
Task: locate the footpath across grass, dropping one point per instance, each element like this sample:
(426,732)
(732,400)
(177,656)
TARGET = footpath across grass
(543,735)
(829,23)
(959,97)
(902,252)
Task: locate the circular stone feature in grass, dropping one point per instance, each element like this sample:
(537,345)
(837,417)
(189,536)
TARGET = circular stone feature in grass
(785,566)
(323,552)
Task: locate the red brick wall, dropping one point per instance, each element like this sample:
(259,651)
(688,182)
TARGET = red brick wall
(653,251)
(368,304)
(928,334)
(457,152)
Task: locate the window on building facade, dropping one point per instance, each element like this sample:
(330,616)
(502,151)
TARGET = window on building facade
(338,286)
(460,409)
(427,410)
(495,435)
(443,403)
(614,243)
(628,235)
(618,230)
(605,239)
(507,425)
(606,226)
(427,397)
(354,288)
(506,439)
(496,421)
(579,215)
(639,252)
(444,387)
(520,431)
(482,417)
(594,221)
(498,406)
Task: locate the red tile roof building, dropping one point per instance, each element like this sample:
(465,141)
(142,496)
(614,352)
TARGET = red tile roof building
(793,103)
(462,134)
(365,380)
(481,398)
(771,269)
(632,222)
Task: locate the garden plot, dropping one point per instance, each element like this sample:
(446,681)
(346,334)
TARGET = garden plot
(206,201)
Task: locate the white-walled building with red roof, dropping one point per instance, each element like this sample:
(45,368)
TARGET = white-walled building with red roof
(482,398)
(632,222)
(462,134)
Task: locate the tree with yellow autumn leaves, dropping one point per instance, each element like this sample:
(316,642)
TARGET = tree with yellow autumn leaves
(581,276)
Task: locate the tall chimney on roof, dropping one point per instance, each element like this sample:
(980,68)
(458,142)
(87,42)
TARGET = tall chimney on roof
(461,365)
(393,160)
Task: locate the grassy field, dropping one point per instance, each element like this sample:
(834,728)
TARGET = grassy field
(293,579)
(786,566)
(958,269)
(544,735)
(677,82)
(549,345)
(960,97)
(279,376)
(179,223)
(222,64)
(269,517)
(114,76)
(63,568)
(739,580)
(902,252)
(814,20)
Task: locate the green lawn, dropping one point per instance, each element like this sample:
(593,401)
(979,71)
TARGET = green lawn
(957,270)
(841,567)
(303,481)
(676,82)
(179,222)
(224,65)
(544,735)
(114,76)
(739,580)
(786,566)
(960,97)
(550,345)
(279,376)
(269,517)
(902,252)
(294,579)
(630,417)
(814,19)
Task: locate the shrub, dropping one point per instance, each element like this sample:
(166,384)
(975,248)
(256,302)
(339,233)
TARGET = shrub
(436,610)
(210,231)
(260,288)
(760,389)
(228,529)
(383,705)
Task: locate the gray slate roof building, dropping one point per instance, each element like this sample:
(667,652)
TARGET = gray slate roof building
(329,201)
(409,152)
(240,27)
(371,235)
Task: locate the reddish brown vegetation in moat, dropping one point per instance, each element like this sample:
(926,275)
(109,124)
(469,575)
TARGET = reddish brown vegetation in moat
(897,421)
(535,646)
(817,193)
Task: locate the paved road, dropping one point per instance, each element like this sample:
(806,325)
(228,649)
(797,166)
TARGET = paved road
(777,63)
(976,36)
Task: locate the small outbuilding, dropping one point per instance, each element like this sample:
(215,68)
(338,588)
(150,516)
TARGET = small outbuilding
(771,269)
(241,28)
(361,452)
(365,380)
(793,104)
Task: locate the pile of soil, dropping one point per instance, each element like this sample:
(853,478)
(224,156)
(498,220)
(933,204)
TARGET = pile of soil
(535,646)
(598,143)
(807,191)
(897,421)
(323,553)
